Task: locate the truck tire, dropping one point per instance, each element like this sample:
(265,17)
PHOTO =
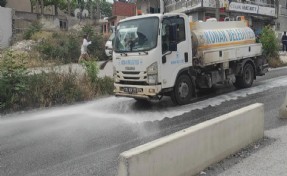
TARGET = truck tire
(183,89)
(247,77)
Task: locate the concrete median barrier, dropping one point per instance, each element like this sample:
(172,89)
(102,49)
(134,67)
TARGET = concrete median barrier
(189,151)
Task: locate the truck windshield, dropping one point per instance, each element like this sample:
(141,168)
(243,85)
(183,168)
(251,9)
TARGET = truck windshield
(137,35)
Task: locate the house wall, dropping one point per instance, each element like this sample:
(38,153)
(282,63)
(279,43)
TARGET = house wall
(19,5)
(123,9)
(5,27)
(281,24)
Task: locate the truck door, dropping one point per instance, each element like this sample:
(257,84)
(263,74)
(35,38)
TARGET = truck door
(177,56)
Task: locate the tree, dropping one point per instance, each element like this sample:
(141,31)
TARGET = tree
(269,42)
(3,3)
(101,7)
(106,8)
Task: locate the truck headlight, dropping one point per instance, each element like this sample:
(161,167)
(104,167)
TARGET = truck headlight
(152,69)
(152,73)
(152,79)
(116,79)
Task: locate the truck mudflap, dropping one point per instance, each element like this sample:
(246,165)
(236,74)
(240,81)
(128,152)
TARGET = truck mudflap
(262,70)
(262,66)
(147,92)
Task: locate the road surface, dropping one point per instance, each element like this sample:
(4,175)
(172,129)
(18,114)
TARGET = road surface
(87,138)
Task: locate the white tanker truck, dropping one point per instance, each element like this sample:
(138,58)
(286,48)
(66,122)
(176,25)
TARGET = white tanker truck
(168,55)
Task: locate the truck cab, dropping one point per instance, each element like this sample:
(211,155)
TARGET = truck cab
(148,62)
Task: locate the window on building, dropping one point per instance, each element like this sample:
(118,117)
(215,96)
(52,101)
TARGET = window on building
(63,25)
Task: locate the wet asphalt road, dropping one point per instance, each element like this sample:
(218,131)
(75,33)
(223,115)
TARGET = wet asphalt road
(86,139)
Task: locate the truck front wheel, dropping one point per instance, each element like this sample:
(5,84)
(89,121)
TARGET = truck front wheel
(182,92)
(247,77)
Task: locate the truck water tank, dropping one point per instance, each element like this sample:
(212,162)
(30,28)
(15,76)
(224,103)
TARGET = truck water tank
(206,35)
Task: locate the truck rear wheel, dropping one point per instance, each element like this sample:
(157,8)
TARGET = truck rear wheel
(247,77)
(183,89)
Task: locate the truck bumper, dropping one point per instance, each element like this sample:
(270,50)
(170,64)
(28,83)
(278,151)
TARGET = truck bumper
(137,91)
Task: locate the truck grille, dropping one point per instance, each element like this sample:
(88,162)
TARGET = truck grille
(130,73)
(132,77)
(134,82)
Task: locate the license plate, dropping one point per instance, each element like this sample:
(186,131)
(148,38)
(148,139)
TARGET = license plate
(130,90)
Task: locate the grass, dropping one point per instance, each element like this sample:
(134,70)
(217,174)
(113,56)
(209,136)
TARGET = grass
(21,91)
(51,89)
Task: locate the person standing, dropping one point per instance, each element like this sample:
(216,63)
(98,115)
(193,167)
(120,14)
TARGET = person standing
(84,49)
(284,42)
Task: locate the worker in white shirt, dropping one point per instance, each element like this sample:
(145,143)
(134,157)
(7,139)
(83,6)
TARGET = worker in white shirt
(84,49)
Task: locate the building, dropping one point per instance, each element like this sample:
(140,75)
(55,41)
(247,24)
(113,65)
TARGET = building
(281,22)
(120,10)
(19,5)
(5,27)
(148,6)
(258,13)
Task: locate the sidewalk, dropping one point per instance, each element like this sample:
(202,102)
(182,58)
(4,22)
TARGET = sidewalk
(270,160)
(283,57)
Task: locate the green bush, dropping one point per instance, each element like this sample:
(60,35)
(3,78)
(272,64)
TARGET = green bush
(66,47)
(105,86)
(269,42)
(97,48)
(33,28)
(13,82)
(60,46)
(92,70)
(20,90)
(48,89)
(101,86)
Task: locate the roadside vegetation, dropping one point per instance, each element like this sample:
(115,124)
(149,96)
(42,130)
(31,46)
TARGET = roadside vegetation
(21,90)
(270,47)
(63,47)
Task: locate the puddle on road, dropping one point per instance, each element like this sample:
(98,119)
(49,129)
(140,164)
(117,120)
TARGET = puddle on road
(127,109)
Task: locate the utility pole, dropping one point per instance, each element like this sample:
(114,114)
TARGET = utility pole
(217,16)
